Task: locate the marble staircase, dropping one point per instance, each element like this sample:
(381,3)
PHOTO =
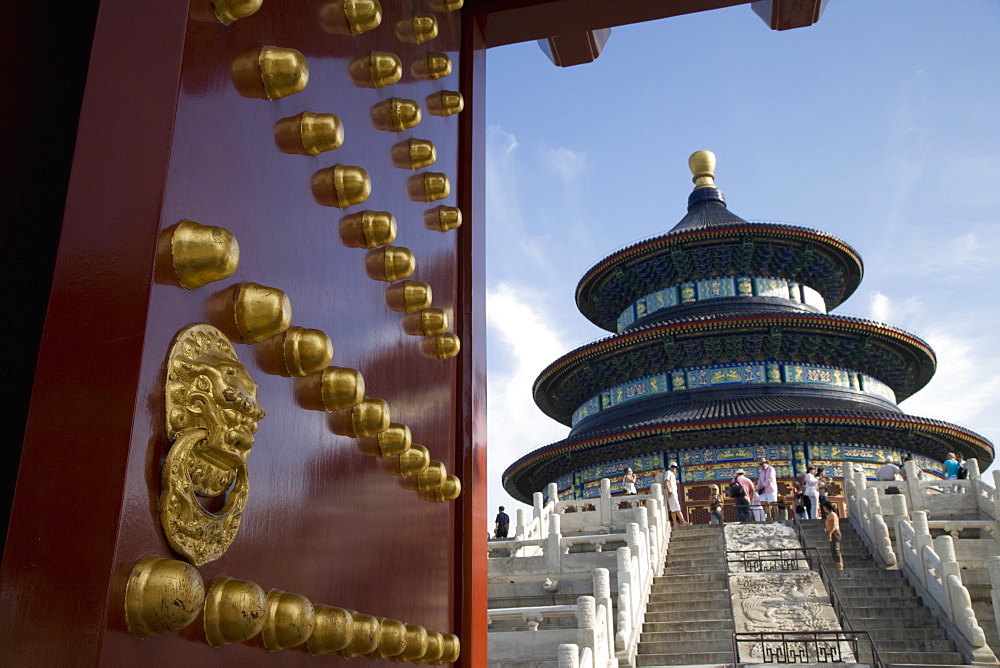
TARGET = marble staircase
(689,620)
(882,603)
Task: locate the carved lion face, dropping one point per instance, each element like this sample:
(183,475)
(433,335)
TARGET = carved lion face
(208,388)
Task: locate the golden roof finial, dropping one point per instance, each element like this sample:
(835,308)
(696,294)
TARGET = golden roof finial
(702,164)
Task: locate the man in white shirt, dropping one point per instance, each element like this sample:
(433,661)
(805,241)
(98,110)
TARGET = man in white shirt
(887,471)
(670,491)
(767,488)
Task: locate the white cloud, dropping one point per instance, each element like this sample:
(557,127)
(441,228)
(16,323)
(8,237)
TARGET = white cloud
(504,141)
(501,179)
(883,309)
(566,162)
(959,392)
(962,391)
(519,328)
(879,307)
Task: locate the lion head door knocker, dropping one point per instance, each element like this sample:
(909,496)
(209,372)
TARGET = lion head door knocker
(212,414)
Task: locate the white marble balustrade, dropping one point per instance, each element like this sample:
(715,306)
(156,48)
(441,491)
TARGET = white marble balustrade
(567,538)
(932,565)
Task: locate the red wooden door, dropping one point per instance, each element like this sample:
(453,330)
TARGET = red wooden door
(171,132)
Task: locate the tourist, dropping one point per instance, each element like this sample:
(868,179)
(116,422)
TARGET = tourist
(767,487)
(801,501)
(902,468)
(628,481)
(783,504)
(822,487)
(889,471)
(502,524)
(670,490)
(714,505)
(833,533)
(951,468)
(742,492)
(810,488)
(963,470)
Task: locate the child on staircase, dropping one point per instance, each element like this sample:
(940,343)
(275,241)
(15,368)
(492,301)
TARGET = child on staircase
(833,533)
(715,505)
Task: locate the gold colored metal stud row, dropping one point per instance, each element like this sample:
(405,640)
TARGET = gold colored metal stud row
(412,462)
(353,17)
(201,254)
(274,72)
(166,595)
(341,392)
(348,17)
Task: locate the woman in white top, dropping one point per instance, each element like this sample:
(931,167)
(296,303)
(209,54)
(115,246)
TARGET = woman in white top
(629,481)
(810,487)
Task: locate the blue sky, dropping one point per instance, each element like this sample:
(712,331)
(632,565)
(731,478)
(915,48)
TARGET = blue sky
(879,124)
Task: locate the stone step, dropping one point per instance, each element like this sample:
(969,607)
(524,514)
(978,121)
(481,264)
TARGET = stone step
(860,600)
(914,645)
(867,574)
(926,623)
(693,564)
(881,591)
(722,645)
(693,608)
(695,535)
(888,635)
(690,579)
(922,658)
(875,574)
(863,610)
(676,539)
(695,551)
(685,570)
(670,587)
(708,574)
(823,547)
(686,623)
(689,529)
(703,592)
(854,550)
(681,536)
(817,537)
(657,635)
(699,598)
(815,540)
(851,562)
(685,659)
(719,615)
(691,604)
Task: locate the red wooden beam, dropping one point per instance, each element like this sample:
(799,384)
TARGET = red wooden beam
(511,21)
(788,14)
(575,49)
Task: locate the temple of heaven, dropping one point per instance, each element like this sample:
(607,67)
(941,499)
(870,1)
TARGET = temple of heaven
(723,352)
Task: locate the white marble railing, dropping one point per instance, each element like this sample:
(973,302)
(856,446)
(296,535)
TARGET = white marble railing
(943,499)
(865,507)
(530,615)
(538,552)
(606,512)
(928,563)
(542,506)
(931,562)
(594,647)
(593,633)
